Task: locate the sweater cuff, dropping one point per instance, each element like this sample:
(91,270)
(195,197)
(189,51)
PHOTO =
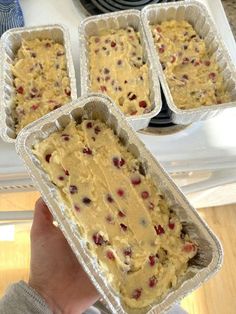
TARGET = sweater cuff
(21,298)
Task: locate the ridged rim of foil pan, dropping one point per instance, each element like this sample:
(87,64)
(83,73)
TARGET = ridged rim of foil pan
(9,44)
(94,106)
(197,14)
(119,20)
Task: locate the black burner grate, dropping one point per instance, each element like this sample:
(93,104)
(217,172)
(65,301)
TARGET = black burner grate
(163,119)
(103,6)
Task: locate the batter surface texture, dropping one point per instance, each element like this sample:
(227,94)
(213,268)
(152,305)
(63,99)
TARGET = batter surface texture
(126,220)
(193,76)
(41,80)
(118,69)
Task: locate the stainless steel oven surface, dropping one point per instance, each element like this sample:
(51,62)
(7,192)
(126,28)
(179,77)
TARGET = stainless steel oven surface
(200,157)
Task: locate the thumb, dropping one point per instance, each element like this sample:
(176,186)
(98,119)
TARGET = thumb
(43,219)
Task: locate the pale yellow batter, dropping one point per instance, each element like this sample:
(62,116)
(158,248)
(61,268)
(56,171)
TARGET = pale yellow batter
(125,219)
(118,69)
(40,79)
(193,76)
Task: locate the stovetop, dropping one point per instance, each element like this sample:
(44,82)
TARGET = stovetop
(104,6)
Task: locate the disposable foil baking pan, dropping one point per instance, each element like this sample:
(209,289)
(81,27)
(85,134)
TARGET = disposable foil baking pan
(94,106)
(197,15)
(93,26)
(10,42)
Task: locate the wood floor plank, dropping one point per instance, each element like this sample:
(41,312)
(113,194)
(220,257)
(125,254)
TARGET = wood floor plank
(217,296)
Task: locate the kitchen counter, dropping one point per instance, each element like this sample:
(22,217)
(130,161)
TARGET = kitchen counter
(230,10)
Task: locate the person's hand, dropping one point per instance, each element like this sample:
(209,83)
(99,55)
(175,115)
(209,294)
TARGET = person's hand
(55,272)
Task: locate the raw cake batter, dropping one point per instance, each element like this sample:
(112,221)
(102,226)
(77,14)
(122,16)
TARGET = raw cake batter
(118,69)
(126,220)
(40,79)
(193,76)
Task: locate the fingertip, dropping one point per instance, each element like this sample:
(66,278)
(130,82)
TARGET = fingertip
(41,212)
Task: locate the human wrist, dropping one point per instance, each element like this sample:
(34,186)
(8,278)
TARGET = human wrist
(48,298)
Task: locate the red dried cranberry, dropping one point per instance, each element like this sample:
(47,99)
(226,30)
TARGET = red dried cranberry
(60,53)
(66,172)
(142,104)
(128,251)
(98,239)
(120,192)
(207,63)
(136,181)
(185,61)
(212,76)
(66,137)
(189,247)
(171,225)
(159,230)
(145,194)
(151,206)
(48,157)
(123,227)
(121,214)
(133,113)
(103,88)
(152,260)
(152,281)
(77,208)
(118,162)
(86,200)
(67,91)
(73,189)
(89,125)
(173,59)
(107,78)
(110,255)
(20,90)
(97,130)
(47,45)
(34,107)
(87,151)
(61,178)
(33,92)
(185,77)
(161,50)
(110,199)
(113,44)
(109,219)
(136,294)
(131,96)
(56,107)
(196,63)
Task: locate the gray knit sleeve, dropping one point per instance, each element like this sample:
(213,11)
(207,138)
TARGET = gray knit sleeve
(22,299)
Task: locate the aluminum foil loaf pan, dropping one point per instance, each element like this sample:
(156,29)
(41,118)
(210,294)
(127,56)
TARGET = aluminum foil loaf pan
(95,106)
(9,45)
(93,26)
(197,15)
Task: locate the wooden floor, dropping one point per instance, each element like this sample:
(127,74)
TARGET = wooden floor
(218,296)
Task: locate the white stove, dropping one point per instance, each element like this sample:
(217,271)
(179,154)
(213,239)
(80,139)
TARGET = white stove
(200,157)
